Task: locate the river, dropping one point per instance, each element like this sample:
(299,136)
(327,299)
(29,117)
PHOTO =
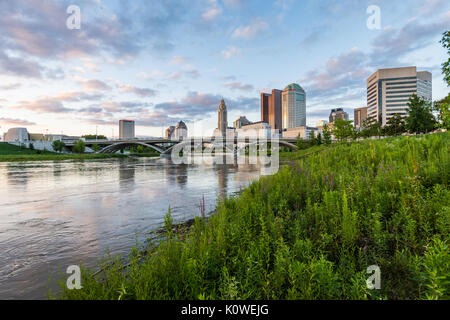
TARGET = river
(59,213)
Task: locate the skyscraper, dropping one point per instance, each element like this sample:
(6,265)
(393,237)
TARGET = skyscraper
(126,129)
(271,112)
(389,90)
(293,106)
(338,113)
(222,119)
(360,115)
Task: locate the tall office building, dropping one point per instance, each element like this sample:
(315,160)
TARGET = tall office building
(389,90)
(271,108)
(293,107)
(360,115)
(170,132)
(222,118)
(338,113)
(181,131)
(126,129)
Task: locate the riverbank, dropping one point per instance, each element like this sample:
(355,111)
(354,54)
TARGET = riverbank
(308,232)
(12,153)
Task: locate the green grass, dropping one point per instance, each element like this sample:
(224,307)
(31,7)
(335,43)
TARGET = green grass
(12,153)
(308,232)
(9,149)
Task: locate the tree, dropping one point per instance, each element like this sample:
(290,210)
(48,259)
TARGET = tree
(442,107)
(446,65)
(79,146)
(31,146)
(326,135)
(420,117)
(95,147)
(58,145)
(395,125)
(94,137)
(319,139)
(312,138)
(343,129)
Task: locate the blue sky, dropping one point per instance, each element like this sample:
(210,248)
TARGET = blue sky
(161,61)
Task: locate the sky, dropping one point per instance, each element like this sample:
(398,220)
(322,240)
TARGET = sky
(161,61)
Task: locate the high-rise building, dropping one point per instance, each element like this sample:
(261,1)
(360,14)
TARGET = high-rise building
(293,107)
(389,90)
(360,115)
(126,129)
(170,132)
(181,131)
(338,113)
(222,119)
(271,108)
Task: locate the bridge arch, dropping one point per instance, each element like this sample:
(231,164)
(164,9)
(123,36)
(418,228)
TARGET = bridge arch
(119,145)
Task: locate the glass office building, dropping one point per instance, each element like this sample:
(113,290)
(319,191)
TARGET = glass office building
(294,107)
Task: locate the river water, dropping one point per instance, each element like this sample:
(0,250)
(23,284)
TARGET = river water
(59,213)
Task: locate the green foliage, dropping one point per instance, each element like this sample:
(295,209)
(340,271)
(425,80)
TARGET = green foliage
(420,118)
(31,146)
(326,135)
(442,107)
(79,146)
(58,145)
(343,129)
(308,232)
(95,147)
(94,137)
(446,65)
(395,126)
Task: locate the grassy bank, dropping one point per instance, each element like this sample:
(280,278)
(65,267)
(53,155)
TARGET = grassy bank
(12,153)
(308,232)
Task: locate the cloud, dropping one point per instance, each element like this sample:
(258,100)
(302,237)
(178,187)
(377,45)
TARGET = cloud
(17,66)
(11,86)
(392,43)
(94,85)
(230,52)
(143,92)
(16,122)
(179,60)
(211,13)
(55,104)
(36,28)
(250,31)
(236,85)
(198,105)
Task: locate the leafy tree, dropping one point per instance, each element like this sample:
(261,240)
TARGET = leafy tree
(31,146)
(343,129)
(94,137)
(79,146)
(312,138)
(395,126)
(95,147)
(326,135)
(420,117)
(446,65)
(442,107)
(319,139)
(58,145)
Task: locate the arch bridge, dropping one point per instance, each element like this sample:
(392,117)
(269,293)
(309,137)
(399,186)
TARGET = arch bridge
(166,146)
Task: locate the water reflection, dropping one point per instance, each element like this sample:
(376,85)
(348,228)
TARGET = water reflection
(54,214)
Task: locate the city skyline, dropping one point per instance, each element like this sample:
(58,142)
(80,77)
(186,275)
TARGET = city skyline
(57,79)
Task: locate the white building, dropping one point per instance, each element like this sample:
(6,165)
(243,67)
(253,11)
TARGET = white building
(126,129)
(181,131)
(16,135)
(389,90)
